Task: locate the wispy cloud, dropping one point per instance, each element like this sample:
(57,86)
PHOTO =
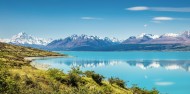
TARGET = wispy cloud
(90,18)
(138,8)
(164,83)
(168,9)
(171,9)
(163,18)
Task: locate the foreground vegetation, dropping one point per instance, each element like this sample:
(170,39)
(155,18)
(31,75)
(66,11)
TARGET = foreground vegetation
(17,76)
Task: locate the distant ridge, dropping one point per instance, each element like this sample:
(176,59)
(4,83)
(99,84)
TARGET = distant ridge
(168,38)
(82,42)
(94,43)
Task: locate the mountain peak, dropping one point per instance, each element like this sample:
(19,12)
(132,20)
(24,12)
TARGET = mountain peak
(170,35)
(82,36)
(24,38)
(186,34)
(144,35)
(22,33)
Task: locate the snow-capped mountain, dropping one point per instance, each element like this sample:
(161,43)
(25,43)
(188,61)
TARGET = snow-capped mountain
(82,42)
(140,38)
(168,38)
(116,40)
(85,42)
(23,38)
(170,35)
(150,36)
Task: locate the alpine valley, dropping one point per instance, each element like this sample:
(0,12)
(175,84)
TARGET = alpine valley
(143,42)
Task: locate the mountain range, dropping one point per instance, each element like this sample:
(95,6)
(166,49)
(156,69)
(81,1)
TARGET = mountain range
(27,40)
(168,38)
(94,43)
(84,42)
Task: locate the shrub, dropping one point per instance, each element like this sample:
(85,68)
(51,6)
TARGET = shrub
(154,91)
(57,74)
(98,78)
(117,81)
(76,70)
(7,83)
(17,77)
(138,90)
(74,77)
(89,73)
(29,82)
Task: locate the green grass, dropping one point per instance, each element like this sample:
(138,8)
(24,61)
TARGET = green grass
(17,76)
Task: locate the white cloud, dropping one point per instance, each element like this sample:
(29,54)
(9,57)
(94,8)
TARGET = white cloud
(90,18)
(163,18)
(171,9)
(145,25)
(164,83)
(138,8)
(168,9)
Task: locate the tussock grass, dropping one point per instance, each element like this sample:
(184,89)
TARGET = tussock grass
(17,76)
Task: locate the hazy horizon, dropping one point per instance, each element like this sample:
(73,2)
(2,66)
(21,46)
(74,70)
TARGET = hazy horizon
(137,35)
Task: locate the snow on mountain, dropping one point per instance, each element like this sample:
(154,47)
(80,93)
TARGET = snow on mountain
(23,38)
(168,38)
(83,42)
(140,38)
(185,34)
(75,41)
(170,35)
(116,40)
(151,36)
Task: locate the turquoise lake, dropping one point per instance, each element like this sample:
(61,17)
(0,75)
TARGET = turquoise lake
(169,72)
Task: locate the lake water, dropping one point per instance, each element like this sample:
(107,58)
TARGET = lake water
(169,72)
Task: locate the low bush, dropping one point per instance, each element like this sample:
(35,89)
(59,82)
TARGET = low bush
(138,90)
(74,76)
(76,70)
(7,83)
(73,79)
(117,81)
(89,73)
(57,74)
(96,77)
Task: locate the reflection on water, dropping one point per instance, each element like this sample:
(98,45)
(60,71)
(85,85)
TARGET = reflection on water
(143,64)
(168,71)
(167,64)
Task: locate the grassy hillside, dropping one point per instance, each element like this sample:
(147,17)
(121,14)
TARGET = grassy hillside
(18,77)
(14,55)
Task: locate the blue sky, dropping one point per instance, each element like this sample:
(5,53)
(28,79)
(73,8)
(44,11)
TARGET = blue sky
(104,18)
